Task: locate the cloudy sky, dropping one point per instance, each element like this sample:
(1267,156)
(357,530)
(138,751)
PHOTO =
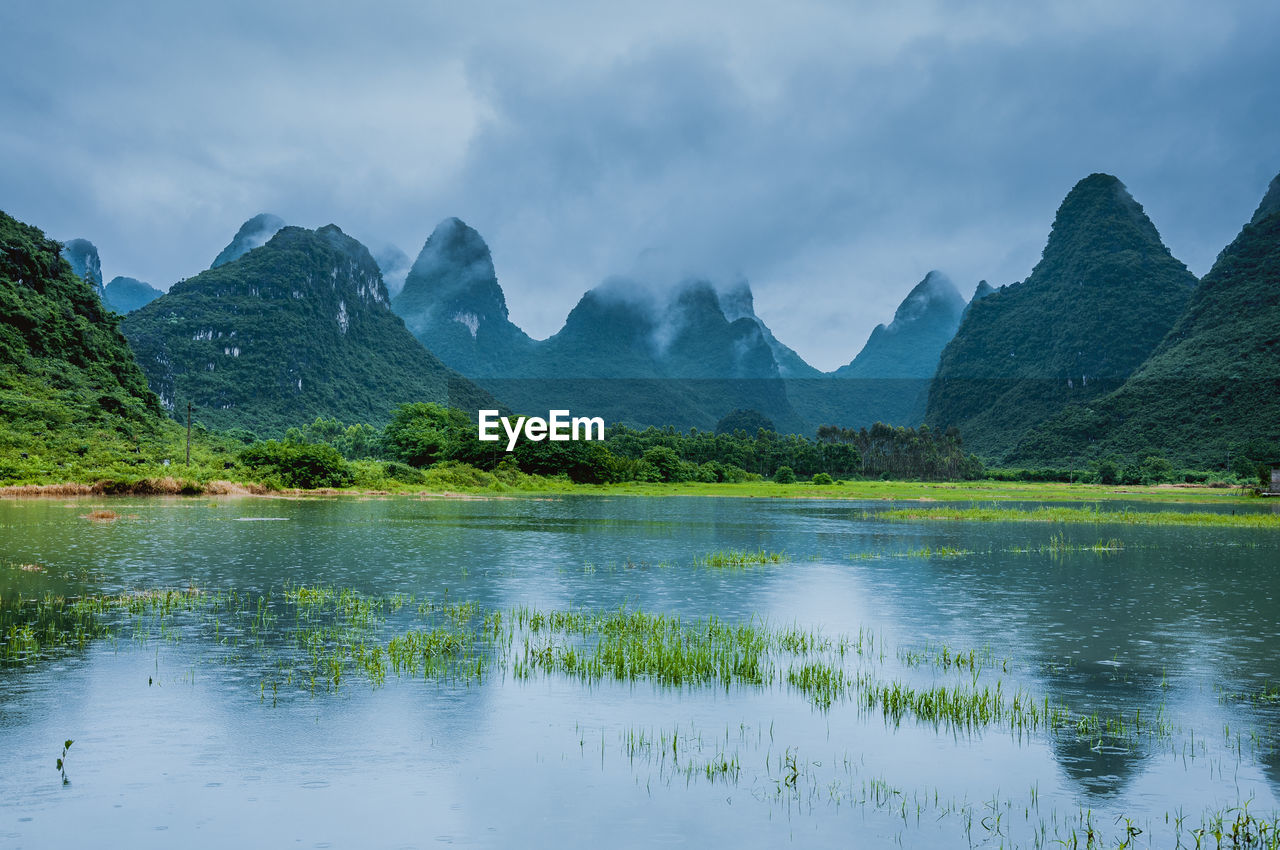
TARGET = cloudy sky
(832,153)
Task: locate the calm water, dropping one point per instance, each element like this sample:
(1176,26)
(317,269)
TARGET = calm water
(176,745)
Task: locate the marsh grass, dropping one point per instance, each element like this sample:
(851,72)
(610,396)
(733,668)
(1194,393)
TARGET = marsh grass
(1092,515)
(735,559)
(1059,546)
(319,638)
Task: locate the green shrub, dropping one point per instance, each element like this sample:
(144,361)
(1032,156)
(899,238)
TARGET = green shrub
(822,479)
(298,465)
(784,475)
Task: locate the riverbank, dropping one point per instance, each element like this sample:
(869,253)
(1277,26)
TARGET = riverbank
(924,491)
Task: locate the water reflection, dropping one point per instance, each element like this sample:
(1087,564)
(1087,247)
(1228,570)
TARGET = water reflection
(1157,630)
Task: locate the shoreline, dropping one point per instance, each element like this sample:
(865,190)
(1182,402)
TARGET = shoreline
(919,491)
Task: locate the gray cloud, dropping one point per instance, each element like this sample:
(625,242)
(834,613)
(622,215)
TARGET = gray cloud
(831,153)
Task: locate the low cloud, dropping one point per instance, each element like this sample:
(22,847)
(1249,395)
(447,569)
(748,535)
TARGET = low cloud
(830,153)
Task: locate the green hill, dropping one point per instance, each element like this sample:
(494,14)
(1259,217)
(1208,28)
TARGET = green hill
(1212,388)
(1102,297)
(68,382)
(295,329)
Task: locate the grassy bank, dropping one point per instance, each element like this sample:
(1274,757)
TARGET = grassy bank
(371,476)
(1087,515)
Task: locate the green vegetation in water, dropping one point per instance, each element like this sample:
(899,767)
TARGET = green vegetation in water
(1058,545)
(1094,515)
(922,552)
(735,559)
(62,761)
(318,638)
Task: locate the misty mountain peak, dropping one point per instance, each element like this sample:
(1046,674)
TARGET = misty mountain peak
(254,233)
(126,294)
(982,291)
(935,294)
(1270,202)
(454,274)
(909,346)
(737,302)
(452,302)
(83,257)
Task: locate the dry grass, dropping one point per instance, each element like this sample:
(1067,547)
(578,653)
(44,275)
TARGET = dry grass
(167,486)
(47,490)
(101,515)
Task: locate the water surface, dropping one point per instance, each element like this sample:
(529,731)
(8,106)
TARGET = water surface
(177,743)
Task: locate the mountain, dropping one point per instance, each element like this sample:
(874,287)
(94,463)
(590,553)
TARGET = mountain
(67,376)
(910,345)
(83,257)
(632,355)
(1211,390)
(1102,297)
(126,294)
(889,379)
(737,302)
(394,265)
(296,329)
(254,233)
(685,357)
(452,302)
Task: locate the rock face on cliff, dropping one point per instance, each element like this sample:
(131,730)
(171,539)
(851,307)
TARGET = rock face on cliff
(1102,297)
(297,329)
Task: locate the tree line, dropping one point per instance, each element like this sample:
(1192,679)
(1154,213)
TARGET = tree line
(424,434)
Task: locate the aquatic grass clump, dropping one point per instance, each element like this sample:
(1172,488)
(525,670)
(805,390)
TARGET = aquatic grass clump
(1093,515)
(821,683)
(633,645)
(735,559)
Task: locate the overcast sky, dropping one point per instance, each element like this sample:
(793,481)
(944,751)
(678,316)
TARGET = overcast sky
(832,153)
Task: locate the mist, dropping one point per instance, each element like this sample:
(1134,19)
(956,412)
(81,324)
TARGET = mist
(832,154)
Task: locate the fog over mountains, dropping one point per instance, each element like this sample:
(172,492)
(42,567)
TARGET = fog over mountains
(1109,345)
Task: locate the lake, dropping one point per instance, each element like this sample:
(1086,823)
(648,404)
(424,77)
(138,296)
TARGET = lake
(881,683)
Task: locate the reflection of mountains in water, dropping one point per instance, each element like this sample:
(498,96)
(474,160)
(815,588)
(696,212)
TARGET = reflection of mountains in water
(1103,763)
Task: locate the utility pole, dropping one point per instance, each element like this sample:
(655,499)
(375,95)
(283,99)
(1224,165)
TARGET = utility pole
(188,433)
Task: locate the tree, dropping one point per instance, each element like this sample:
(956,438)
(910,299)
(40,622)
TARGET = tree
(422,433)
